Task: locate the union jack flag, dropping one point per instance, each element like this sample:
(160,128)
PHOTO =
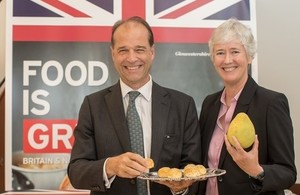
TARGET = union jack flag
(176,21)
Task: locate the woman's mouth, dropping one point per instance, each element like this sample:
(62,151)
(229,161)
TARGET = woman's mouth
(229,69)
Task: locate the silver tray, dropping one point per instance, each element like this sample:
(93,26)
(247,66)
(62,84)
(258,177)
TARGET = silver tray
(152,176)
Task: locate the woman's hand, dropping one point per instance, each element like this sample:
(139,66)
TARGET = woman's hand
(247,161)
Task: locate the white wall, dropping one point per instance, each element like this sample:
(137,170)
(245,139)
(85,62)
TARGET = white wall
(2,39)
(278,30)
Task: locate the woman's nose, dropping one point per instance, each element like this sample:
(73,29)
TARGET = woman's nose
(228,59)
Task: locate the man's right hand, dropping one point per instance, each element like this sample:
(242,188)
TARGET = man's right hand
(127,165)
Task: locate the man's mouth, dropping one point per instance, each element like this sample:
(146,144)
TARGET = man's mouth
(132,67)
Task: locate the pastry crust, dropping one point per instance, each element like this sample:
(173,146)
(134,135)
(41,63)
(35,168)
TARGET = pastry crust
(175,173)
(192,170)
(163,172)
(167,172)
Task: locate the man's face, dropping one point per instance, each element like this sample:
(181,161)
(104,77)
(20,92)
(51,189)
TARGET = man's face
(132,55)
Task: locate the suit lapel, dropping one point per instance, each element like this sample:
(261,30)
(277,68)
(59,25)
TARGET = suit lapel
(115,107)
(242,106)
(160,109)
(212,118)
(246,96)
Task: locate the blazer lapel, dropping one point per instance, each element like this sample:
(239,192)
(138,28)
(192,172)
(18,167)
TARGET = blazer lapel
(160,110)
(115,107)
(242,106)
(212,120)
(246,96)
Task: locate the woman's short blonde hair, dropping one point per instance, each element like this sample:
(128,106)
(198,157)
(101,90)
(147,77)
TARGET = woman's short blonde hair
(233,30)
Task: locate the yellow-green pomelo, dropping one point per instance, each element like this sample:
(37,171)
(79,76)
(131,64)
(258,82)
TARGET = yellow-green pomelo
(243,129)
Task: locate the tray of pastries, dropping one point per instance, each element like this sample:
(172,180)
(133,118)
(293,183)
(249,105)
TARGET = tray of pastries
(189,172)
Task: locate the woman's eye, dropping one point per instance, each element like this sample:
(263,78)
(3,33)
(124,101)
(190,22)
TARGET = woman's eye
(235,52)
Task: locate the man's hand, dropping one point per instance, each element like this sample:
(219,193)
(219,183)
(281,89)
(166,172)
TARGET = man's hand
(176,186)
(127,165)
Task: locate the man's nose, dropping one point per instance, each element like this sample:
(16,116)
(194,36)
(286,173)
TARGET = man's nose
(132,56)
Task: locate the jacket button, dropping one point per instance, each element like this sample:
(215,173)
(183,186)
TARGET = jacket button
(132,181)
(220,179)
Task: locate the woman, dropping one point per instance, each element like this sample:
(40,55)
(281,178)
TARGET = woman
(267,167)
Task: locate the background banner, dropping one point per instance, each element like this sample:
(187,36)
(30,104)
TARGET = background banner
(58,52)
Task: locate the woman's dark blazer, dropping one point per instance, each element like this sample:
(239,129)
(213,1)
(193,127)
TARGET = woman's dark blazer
(270,114)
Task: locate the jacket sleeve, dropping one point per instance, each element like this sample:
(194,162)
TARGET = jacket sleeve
(280,170)
(85,170)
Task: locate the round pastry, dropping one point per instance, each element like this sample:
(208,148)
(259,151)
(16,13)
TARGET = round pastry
(167,172)
(175,173)
(163,172)
(150,163)
(189,166)
(192,170)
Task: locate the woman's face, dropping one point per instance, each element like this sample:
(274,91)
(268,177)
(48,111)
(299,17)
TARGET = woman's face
(132,54)
(231,62)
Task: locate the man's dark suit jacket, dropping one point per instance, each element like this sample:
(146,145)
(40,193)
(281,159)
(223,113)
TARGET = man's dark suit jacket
(102,132)
(269,112)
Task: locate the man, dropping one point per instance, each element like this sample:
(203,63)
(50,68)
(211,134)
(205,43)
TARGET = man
(102,159)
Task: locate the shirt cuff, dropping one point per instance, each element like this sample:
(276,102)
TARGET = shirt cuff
(107,182)
(182,192)
(256,184)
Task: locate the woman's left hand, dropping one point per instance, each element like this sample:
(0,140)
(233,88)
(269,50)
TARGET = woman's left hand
(247,161)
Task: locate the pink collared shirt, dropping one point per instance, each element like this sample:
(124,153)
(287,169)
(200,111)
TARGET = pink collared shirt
(217,140)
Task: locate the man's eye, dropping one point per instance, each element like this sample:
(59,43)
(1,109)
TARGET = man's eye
(122,51)
(140,50)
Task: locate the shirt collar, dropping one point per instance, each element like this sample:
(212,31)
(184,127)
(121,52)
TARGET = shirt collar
(235,98)
(145,90)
